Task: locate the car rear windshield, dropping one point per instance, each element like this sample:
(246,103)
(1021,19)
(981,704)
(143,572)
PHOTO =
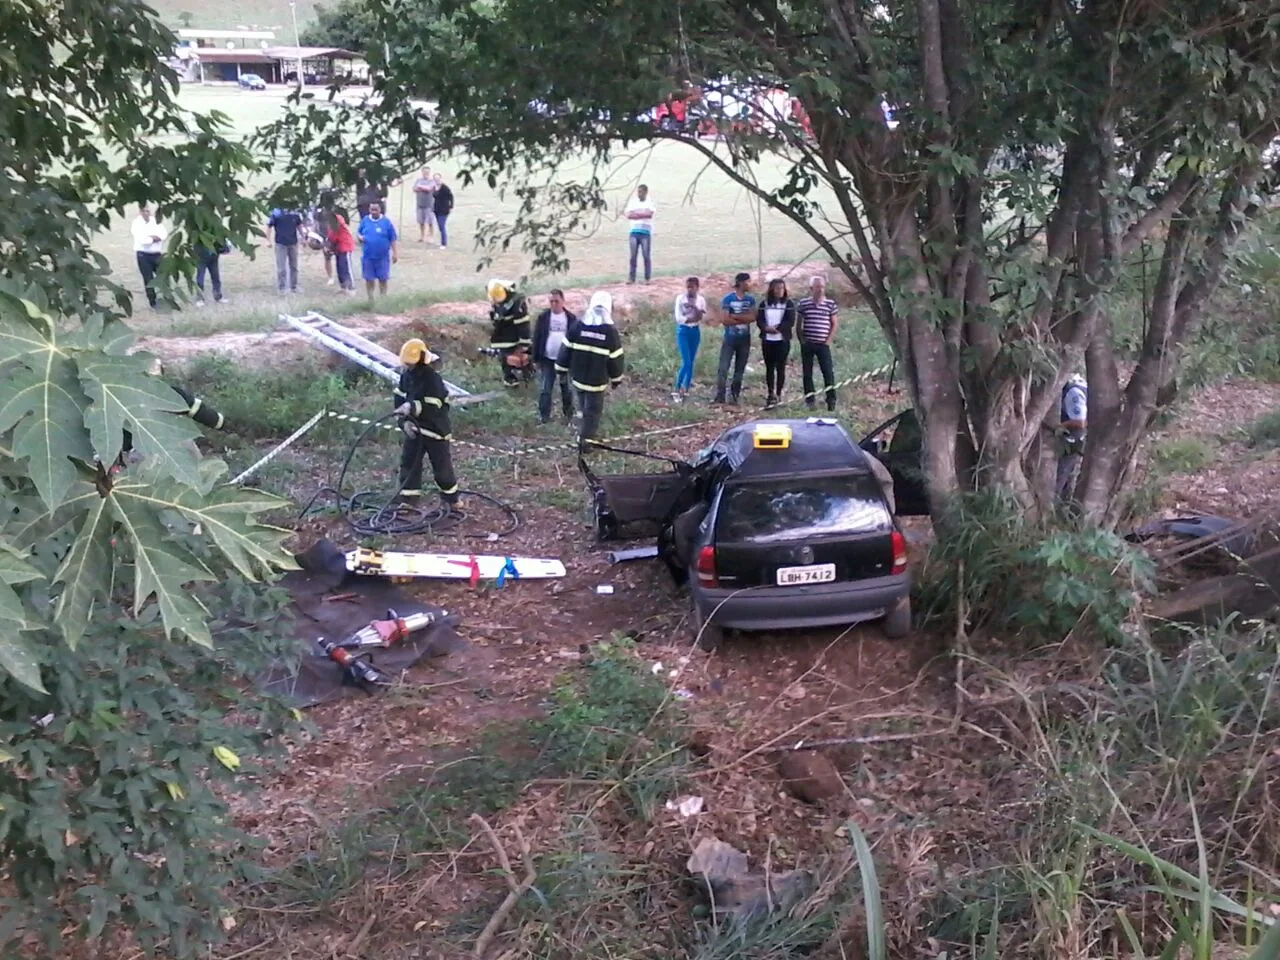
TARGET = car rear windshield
(773,511)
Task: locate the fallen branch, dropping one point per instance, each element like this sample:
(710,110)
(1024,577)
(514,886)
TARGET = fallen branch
(875,738)
(517,889)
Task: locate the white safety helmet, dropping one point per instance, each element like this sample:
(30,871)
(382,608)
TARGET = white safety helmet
(1078,380)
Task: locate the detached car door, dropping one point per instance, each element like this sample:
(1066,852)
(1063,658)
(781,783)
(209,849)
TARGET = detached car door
(903,454)
(825,528)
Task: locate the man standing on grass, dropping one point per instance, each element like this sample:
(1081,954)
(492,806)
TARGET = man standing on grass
(817,315)
(380,250)
(442,207)
(739,308)
(639,213)
(208,262)
(1073,415)
(549,332)
(369,192)
(284,225)
(424,193)
(148,248)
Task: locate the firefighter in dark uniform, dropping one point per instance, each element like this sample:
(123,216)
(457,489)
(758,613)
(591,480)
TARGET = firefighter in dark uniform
(422,403)
(510,340)
(592,357)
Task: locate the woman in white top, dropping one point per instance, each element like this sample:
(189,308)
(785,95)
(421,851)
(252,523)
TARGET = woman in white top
(690,308)
(776,319)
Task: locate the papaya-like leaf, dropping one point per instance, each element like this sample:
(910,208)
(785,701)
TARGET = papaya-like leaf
(85,574)
(41,400)
(18,660)
(124,396)
(161,569)
(226,515)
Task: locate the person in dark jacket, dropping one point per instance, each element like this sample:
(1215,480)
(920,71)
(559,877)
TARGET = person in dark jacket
(549,332)
(592,358)
(208,262)
(442,207)
(369,190)
(422,403)
(776,319)
(509,340)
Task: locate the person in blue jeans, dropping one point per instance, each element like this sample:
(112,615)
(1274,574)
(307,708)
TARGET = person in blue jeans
(639,213)
(690,308)
(739,308)
(378,239)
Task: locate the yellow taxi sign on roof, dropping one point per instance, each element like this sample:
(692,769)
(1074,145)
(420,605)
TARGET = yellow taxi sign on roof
(771,436)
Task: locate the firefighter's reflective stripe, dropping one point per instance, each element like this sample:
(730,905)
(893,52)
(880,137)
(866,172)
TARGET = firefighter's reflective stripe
(450,489)
(603,351)
(410,493)
(429,435)
(589,388)
(196,404)
(221,421)
(506,345)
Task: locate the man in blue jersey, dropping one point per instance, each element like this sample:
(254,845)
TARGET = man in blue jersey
(738,309)
(379,249)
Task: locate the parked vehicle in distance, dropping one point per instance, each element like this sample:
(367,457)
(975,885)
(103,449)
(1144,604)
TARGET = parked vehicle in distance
(782,524)
(251,81)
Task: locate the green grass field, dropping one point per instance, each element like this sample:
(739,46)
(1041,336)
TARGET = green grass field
(233,14)
(704,222)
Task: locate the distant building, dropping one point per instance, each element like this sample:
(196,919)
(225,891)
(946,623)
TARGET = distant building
(225,38)
(274,64)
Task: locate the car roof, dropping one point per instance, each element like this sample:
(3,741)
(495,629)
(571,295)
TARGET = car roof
(817,446)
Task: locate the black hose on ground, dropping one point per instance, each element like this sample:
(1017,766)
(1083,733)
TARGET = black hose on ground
(372,513)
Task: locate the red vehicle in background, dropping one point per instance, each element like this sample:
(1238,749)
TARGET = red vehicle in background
(672,115)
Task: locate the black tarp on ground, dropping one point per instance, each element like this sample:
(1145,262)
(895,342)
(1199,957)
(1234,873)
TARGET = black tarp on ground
(318,679)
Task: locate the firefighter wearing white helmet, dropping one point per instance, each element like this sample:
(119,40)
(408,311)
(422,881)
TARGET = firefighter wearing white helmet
(510,340)
(1073,416)
(422,404)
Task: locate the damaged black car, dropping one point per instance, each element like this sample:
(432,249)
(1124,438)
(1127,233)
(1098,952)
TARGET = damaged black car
(780,524)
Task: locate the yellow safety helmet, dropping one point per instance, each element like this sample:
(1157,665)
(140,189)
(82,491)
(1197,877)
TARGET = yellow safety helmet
(497,291)
(413,352)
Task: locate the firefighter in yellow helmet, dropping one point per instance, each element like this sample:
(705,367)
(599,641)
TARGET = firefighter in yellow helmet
(422,403)
(510,340)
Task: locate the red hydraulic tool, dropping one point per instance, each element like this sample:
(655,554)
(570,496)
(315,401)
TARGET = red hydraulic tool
(378,634)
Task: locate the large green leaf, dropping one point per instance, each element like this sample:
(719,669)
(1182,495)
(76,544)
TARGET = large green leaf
(225,514)
(161,570)
(124,395)
(16,658)
(85,574)
(14,569)
(41,400)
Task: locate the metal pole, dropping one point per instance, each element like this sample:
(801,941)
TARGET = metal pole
(293,11)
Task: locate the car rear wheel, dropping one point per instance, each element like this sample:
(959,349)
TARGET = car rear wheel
(709,636)
(897,622)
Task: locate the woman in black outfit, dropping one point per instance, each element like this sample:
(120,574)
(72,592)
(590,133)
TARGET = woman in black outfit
(776,319)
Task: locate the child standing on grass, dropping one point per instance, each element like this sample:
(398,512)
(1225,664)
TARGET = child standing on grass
(690,308)
(343,243)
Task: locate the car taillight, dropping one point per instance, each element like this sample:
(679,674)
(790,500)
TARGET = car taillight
(899,543)
(706,567)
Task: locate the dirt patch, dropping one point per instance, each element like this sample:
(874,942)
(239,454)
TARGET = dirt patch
(284,346)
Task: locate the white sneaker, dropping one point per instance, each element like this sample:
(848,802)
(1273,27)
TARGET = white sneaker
(677,398)
(332,281)
(199,303)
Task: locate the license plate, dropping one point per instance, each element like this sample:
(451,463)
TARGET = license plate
(813,573)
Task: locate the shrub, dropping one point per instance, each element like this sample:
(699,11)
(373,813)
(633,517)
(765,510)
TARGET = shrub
(1029,579)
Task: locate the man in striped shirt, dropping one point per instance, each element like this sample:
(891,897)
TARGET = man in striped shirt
(817,317)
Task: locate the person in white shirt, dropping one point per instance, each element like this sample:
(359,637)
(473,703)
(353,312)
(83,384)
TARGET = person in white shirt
(549,332)
(148,247)
(776,320)
(639,213)
(690,308)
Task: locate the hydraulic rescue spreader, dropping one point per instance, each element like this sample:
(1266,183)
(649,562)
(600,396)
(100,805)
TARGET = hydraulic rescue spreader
(377,634)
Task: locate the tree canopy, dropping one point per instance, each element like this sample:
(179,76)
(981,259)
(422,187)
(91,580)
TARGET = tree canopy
(108,749)
(1035,150)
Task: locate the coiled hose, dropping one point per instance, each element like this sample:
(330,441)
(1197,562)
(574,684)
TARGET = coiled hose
(380,513)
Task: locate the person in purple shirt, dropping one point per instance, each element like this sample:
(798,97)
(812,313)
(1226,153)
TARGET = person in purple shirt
(379,249)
